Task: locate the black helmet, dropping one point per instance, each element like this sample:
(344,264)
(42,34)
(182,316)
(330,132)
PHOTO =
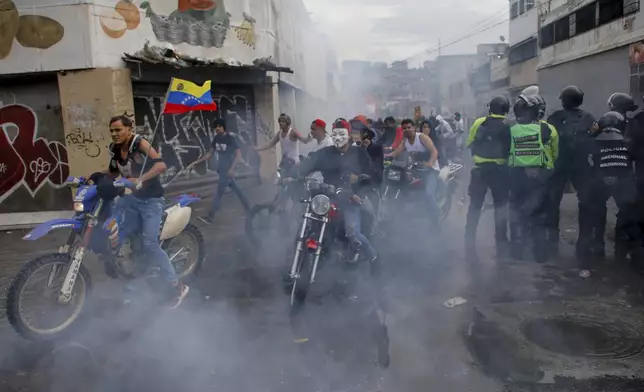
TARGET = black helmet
(499,105)
(622,103)
(571,97)
(612,120)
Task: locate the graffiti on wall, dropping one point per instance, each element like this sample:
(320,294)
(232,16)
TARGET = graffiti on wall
(30,31)
(116,21)
(82,136)
(181,139)
(27,160)
(196,22)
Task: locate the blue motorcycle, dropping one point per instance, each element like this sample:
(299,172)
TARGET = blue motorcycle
(95,227)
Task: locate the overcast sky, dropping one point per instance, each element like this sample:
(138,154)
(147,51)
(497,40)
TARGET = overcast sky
(389,30)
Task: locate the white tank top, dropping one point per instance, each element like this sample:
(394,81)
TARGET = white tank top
(290,148)
(418,146)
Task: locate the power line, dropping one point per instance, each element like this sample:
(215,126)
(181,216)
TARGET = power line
(437,48)
(478,28)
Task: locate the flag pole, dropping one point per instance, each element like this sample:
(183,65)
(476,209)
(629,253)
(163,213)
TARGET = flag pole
(154,131)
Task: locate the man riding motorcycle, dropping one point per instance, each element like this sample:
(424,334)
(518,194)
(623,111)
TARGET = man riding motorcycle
(340,163)
(421,147)
(133,157)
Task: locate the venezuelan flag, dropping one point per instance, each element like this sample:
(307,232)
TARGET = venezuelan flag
(185,96)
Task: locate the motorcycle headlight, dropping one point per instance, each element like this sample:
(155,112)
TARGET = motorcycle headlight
(79,207)
(320,204)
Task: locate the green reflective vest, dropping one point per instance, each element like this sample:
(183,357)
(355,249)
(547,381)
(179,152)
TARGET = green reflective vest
(527,148)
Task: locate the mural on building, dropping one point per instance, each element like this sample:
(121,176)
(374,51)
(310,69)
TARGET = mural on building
(30,31)
(182,139)
(196,22)
(116,21)
(27,160)
(246,32)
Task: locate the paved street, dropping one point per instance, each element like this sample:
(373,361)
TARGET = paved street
(233,332)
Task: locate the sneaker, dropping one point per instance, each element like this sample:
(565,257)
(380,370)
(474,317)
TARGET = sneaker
(205,219)
(183,291)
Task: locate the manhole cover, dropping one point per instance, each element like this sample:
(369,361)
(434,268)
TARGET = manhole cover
(582,336)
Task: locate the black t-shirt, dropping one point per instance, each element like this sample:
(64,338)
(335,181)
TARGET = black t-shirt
(225,147)
(132,166)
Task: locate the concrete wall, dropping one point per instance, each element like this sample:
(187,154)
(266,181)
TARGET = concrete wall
(87,111)
(524,26)
(617,33)
(33,157)
(611,66)
(523,74)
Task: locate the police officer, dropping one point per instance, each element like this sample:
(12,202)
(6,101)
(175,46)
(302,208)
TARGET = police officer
(489,139)
(612,176)
(621,103)
(573,125)
(534,147)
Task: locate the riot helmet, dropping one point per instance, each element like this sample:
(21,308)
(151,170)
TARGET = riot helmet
(612,121)
(571,97)
(533,92)
(621,103)
(527,108)
(499,105)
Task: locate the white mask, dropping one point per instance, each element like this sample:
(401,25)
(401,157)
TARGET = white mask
(340,137)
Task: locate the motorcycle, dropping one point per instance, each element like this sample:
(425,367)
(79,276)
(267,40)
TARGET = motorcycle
(95,227)
(406,181)
(321,238)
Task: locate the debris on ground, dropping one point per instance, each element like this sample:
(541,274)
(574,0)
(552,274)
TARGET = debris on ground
(454,302)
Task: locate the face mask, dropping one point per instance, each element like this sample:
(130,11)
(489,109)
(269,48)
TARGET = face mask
(340,137)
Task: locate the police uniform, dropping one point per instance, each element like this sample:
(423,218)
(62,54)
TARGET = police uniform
(533,150)
(612,176)
(489,139)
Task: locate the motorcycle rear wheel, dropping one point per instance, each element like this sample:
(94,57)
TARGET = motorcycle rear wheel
(15,311)
(192,239)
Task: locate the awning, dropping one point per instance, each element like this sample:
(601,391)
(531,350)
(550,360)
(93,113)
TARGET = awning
(167,56)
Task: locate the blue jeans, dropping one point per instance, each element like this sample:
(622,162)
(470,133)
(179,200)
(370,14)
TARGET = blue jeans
(224,182)
(431,186)
(352,224)
(144,216)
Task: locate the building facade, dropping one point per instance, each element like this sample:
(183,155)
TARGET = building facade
(596,45)
(68,67)
(523,51)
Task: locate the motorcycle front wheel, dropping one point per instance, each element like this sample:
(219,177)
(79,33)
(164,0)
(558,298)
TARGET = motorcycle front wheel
(301,285)
(57,318)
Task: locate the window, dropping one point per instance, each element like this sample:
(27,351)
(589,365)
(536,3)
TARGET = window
(609,10)
(521,6)
(523,52)
(514,10)
(631,6)
(562,29)
(585,18)
(547,35)
(529,4)
(572,22)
